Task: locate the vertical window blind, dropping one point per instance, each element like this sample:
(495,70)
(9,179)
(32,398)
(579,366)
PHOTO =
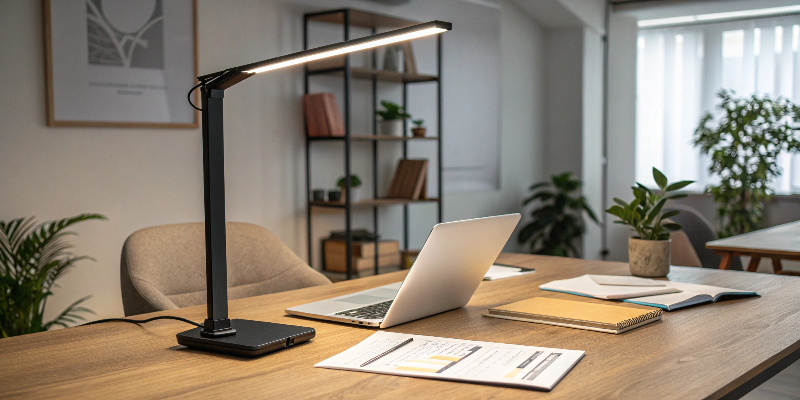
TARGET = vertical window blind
(679,72)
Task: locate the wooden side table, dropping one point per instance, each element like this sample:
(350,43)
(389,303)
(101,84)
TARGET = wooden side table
(778,243)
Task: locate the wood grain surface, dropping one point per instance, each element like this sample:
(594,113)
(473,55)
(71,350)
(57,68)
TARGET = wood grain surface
(704,351)
(782,240)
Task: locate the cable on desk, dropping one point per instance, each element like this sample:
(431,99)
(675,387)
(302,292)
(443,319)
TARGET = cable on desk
(141,321)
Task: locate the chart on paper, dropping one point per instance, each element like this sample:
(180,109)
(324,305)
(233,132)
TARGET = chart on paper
(454,359)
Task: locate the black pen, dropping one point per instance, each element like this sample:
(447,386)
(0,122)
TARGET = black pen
(405,342)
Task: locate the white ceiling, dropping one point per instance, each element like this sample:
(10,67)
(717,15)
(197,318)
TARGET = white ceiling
(555,14)
(551,14)
(679,8)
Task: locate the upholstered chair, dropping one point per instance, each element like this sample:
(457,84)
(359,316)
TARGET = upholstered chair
(696,232)
(164,267)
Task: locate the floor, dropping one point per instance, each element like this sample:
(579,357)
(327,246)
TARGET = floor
(784,386)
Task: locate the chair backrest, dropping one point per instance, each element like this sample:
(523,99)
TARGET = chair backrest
(682,252)
(700,231)
(163,267)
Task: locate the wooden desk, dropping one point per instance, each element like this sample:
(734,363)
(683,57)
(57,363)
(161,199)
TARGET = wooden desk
(781,242)
(707,351)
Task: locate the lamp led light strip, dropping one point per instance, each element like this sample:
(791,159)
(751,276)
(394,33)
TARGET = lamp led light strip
(232,76)
(349,49)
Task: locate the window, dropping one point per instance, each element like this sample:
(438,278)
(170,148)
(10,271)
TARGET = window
(680,70)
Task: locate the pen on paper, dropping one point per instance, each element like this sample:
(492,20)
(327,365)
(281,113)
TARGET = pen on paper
(403,343)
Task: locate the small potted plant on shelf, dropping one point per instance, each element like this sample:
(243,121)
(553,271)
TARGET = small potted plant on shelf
(649,252)
(355,188)
(418,130)
(392,117)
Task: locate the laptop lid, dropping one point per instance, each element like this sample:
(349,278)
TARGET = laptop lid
(450,267)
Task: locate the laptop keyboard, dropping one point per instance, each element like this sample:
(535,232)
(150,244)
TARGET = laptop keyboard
(372,311)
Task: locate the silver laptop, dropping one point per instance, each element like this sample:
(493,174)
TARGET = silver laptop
(447,272)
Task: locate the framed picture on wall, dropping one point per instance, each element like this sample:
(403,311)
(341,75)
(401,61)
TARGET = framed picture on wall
(120,63)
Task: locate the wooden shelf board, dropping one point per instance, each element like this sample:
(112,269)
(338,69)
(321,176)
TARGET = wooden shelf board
(376,137)
(341,276)
(363,19)
(373,202)
(391,138)
(335,66)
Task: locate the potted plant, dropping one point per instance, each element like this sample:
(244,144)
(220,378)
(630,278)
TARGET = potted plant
(392,117)
(355,188)
(558,221)
(744,149)
(32,258)
(649,251)
(418,130)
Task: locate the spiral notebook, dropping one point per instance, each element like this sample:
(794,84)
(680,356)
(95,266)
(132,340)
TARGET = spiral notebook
(576,314)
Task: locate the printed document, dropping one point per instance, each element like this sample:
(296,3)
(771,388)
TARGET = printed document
(457,360)
(496,272)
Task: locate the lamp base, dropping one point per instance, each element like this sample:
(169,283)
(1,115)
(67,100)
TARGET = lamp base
(252,338)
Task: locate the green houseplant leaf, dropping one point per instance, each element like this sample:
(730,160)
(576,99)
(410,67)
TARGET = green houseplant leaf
(749,135)
(32,258)
(643,214)
(557,222)
(391,111)
(355,182)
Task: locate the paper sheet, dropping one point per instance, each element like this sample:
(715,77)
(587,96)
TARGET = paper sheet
(458,360)
(496,272)
(585,286)
(616,280)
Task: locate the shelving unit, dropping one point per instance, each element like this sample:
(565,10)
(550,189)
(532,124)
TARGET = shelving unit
(340,66)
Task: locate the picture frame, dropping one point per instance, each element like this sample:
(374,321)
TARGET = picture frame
(116,63)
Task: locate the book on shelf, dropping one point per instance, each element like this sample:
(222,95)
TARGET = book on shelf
(409,180)
(363,254)
(322,114)
(327,63)
(409,64)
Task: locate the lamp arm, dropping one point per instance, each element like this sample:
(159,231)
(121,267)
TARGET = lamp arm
(217,324)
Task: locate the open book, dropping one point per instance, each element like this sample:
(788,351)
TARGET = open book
(672,296)
(586,286)
(690,294)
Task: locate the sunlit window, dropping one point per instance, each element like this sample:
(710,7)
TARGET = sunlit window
(681,68)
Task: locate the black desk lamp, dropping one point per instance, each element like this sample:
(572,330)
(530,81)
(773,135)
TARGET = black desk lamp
(239,336)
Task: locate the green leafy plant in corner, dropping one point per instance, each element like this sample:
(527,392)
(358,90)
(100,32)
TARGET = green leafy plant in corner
(643,214)
(355,182)
(557,222)
(744,148)
(32,258)
(392,111)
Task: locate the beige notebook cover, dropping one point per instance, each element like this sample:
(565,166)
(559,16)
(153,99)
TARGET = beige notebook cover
(576,314)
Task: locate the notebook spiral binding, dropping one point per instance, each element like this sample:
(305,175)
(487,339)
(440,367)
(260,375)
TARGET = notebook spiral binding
(641,318)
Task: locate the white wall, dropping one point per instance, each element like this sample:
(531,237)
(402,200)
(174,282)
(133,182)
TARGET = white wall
(592,140)
(620,122)
(522,128)
(564,49)
(146,177)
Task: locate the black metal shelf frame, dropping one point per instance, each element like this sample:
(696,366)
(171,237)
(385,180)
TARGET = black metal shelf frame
(347,139)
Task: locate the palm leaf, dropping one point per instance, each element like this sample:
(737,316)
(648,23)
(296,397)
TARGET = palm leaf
(70,314)
(32,258)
